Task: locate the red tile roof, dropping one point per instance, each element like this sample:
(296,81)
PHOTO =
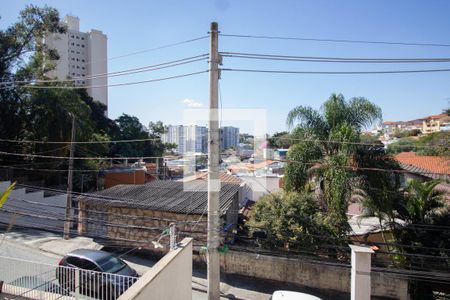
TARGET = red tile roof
(440,116)
(433,164)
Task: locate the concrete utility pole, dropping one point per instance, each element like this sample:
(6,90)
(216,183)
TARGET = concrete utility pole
(67,222)
(213,269)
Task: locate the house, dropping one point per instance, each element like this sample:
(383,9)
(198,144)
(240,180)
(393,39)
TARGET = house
(423,167)
(110,177)
(138,214)
(434,123)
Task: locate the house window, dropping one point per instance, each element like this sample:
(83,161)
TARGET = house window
(82,68)
(82,46)
(78,37)
(78,59)
(82,38)
(82,60)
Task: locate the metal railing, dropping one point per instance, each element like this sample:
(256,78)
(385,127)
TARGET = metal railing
(33,280)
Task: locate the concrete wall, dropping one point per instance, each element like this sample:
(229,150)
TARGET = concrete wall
(169,278)
(308,273)
(22,209)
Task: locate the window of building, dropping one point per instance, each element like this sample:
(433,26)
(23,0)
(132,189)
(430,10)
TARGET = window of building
(73,66)
(82,68)
(73,44)
(72,51)
(83,82)
(78,59)
(78,37)
(78,67)
(73,74)
(78,52)
(71,36)
(82,75)
(82,38)
(82,46)
(82,60)
(73,58)
(78,45)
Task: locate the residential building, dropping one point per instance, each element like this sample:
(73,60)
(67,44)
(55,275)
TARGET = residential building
(434,123)
(189,139)
(229,137)
(81,56)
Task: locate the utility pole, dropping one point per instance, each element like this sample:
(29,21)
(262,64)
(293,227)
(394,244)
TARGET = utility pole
(67,222)
(213,268)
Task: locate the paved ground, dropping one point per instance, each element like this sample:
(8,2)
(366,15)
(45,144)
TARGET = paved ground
(48,248)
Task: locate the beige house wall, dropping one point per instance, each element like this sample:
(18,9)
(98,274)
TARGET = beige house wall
(169,278)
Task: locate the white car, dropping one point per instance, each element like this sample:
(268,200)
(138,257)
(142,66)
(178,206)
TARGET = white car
(288,295)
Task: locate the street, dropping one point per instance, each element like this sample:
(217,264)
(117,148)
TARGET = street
(25,244)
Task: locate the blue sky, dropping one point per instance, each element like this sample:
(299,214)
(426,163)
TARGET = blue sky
(137,25)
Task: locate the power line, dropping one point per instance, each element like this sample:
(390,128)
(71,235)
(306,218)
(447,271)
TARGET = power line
(332,59)
(148,50)
(336,72)
(81,142)
(335,40)
(349,142)
(78,158)
(117,73)
(112,85)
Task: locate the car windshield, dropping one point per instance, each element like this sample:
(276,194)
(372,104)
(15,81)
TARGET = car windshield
(111,264)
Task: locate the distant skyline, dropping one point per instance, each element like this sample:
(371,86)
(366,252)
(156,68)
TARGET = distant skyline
(133,26)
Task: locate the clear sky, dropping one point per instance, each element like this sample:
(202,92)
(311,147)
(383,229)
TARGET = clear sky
(138,25)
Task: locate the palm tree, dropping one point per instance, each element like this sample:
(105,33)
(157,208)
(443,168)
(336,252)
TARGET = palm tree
(327,148)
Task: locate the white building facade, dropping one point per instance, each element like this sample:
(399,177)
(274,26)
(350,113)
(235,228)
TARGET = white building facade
(82,56)
(189,139)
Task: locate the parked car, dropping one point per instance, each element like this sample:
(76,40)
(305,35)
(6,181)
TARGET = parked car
(288,295)
(100,274)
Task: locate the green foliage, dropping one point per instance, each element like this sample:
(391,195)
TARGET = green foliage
(434,144)
(46,114)
(327,149)
(280,140)
(291,219)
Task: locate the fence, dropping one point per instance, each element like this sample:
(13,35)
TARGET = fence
(27,279)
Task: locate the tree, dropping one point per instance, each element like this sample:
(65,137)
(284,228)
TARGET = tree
(292,220)
(280,140)
(19,41)
(327,148)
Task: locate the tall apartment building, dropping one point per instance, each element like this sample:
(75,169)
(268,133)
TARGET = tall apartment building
(191,138)
(229,137)
(81,55)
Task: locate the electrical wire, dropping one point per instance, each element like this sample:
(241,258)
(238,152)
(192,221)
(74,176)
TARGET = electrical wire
(332,59)
(350,143)
(78,158)
(113,85)
(336,72)
(334,40)
(148,68)
(80,142)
